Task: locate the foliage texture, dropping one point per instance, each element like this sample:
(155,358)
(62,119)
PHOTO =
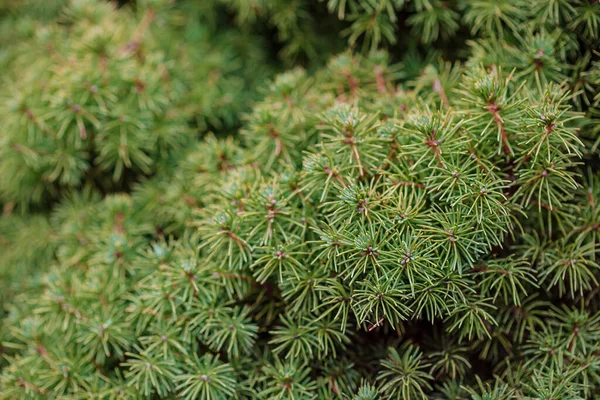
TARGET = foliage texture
(415,217)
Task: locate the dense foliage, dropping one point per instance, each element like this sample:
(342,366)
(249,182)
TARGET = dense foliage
(415,217)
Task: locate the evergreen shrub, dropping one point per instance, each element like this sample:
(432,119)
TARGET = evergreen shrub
(274,199)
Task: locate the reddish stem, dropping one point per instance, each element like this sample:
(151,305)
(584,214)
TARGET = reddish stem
(278,143)
(411,184)
(546,206)
(381,85)
(234,237)
(495,111)
(439,89)
(352,84)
